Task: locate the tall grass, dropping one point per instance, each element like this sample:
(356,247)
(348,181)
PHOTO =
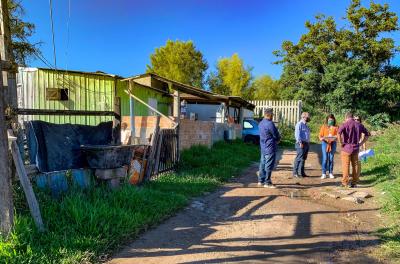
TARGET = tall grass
(83,225)
(383,171)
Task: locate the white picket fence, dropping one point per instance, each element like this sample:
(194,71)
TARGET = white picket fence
(286,111)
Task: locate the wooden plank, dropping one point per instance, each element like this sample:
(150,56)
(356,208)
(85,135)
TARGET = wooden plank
(22,111)
(7,97)
(6,202)
(31,170)
(153,149)
(26,185)
(159,145)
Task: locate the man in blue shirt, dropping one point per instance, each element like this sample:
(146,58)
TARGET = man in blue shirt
(269,138)
(302,135)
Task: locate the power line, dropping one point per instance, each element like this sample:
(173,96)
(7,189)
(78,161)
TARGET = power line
(68,35)
(52,32)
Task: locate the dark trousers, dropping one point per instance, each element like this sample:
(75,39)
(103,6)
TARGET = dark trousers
(301,156)
(267,163)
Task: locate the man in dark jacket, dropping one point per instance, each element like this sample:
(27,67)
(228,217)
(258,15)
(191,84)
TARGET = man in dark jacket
(269,139)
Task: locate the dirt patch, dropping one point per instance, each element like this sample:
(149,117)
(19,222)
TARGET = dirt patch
(244,223)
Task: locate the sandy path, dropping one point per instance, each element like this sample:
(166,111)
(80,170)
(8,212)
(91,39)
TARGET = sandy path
(244,223)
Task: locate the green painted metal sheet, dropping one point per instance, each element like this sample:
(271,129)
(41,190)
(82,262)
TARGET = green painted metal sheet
(164,102)
(85,92)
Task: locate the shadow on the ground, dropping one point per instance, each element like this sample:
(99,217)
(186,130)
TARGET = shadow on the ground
(192,233)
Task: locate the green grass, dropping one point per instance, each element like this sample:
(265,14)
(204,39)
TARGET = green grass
(83,225)
(383,172)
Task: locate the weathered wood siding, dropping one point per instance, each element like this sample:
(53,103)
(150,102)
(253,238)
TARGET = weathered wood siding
(86,91)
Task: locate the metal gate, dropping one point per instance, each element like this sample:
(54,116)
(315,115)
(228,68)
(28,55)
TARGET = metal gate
(168,156)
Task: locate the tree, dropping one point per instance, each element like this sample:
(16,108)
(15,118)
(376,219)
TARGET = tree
(231,78)
(179,61)
(20,31)
(343,67)
(265,88)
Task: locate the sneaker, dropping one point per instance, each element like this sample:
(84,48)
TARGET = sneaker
(331,176)
(259,184)
(269,185)
(296,176)
(352,185)
(304,176)
(323,176)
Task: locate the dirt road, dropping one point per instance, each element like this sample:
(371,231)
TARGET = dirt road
(296,223)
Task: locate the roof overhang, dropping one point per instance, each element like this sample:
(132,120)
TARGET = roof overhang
(195,95)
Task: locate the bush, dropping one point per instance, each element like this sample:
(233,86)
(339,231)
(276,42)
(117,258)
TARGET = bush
(383,171)
(379,121)
(287,134)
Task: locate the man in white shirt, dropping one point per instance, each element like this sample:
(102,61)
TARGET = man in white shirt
(125,134)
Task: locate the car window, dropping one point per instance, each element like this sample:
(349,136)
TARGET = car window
(247,125)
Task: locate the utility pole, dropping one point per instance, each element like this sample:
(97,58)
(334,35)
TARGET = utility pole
(8,100)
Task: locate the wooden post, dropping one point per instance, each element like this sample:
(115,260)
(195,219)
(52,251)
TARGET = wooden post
(6,201)
(177,115)
(7,101)
(132,114)
(26,185)
(177,105)
(153,150)
(117,120)
(159,146)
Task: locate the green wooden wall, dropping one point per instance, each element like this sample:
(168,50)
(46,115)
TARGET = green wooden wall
(86,91)
(144,93)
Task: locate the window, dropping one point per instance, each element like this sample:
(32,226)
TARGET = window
(57,94)
(247,125)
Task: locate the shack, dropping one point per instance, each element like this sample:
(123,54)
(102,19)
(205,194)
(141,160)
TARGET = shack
(177,101)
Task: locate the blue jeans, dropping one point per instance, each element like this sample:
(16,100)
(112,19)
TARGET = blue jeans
(328,157)
(267,163)
(299,161)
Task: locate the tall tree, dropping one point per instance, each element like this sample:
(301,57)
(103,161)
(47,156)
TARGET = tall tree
(265,88)
(348,63)
(179,61)
(20,31)
(231,78)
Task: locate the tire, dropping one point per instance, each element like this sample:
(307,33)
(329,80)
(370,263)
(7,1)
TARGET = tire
(256,140)
(248,139)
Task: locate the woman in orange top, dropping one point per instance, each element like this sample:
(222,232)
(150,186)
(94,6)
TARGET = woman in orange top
(328,135)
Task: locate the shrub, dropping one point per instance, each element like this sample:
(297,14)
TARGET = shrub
(379,121)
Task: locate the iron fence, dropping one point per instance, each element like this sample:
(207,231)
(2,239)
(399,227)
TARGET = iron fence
(168,156)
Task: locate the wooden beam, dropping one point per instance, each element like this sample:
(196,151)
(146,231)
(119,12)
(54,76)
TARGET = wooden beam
(177,105)
(7,101)
(26,185)
(175,124)
(153,149)
(22,111)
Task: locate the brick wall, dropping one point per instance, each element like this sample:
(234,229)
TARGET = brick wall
(195,133)
(144,125)
(190,132)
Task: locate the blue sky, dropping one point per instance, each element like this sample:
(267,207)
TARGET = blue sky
(118,36)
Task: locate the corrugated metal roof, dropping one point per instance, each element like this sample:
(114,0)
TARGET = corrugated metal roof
(81,72)
(196,91)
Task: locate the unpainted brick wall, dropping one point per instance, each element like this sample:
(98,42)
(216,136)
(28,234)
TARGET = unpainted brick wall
(144,125)
(190,132)
(195,133)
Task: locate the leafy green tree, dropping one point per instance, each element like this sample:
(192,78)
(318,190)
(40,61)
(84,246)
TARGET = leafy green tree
(231,78)
(179,61)
(346,67)
(20,31)
(265,88)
